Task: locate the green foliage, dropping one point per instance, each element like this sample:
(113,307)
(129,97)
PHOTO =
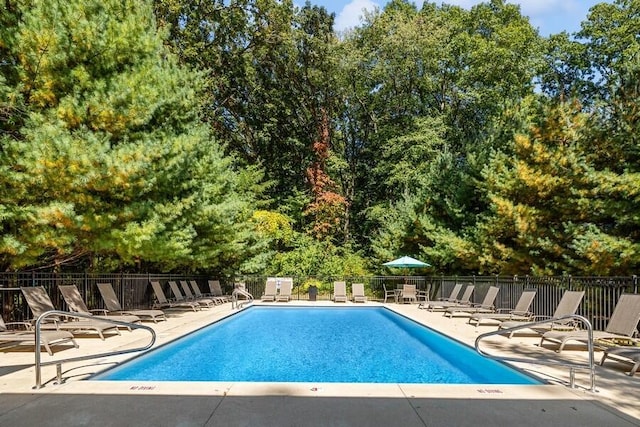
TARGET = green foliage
(245,136)
(323,287)
(110,160)
(548,211)
(311,257)
(269,78)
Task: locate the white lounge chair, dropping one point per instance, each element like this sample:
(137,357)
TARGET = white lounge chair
(270,290)
(339,292)
(286,287)
(357,291)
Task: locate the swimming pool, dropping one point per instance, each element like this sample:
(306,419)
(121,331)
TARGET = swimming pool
(319,344)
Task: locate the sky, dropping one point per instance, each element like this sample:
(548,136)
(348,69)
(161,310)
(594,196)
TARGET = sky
(548,16)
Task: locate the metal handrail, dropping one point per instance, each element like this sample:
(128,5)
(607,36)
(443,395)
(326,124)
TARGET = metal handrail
(39,364)
(572,366)
(234,298)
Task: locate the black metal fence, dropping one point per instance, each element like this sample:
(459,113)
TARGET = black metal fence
(133,290)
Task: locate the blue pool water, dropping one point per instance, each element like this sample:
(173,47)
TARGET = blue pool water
(296,344)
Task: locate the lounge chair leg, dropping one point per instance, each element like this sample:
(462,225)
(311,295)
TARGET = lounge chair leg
(604,357)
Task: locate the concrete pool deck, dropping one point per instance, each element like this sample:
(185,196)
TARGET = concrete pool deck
(77,402)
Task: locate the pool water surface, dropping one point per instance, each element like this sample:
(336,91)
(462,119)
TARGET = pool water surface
(319,344)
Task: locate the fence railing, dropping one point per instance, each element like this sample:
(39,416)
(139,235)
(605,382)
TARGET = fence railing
(133,290)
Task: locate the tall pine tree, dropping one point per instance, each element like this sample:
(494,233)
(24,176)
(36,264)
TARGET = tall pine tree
(104,158)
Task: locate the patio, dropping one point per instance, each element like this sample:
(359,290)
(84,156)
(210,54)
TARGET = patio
(78,402)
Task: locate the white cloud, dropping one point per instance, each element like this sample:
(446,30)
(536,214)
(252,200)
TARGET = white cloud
(351,14)
(526,6)
(534,8)
(550,16)
(530,7)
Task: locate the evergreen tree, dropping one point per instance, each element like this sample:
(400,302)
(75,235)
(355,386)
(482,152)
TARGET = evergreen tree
(109,163)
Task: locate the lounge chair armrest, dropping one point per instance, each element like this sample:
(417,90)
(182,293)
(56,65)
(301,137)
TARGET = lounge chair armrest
(27,325)
(540,317)
(53,320)
(522,313)
(479,304)
(502,310)
(102,311)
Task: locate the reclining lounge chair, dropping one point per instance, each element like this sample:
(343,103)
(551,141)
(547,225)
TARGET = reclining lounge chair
(286,287)
(113,305)
(163,302)
(198,293)
(567,306)
(464,301)
(39,302)
(76,304)
(357,290)
(216,291)
(622,325)
(451,298)
(520,312)
(339,292)
(486,306)
(189,296)
(624,353)
(270,290)
(28,336)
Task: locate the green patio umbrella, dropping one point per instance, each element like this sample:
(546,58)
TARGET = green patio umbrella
(406,262)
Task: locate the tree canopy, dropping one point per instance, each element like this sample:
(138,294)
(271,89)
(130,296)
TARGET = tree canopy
(248,136)
(105,158)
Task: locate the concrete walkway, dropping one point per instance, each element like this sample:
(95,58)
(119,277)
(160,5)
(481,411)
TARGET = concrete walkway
(77,402)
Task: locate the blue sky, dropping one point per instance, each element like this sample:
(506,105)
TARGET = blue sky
(549,16)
